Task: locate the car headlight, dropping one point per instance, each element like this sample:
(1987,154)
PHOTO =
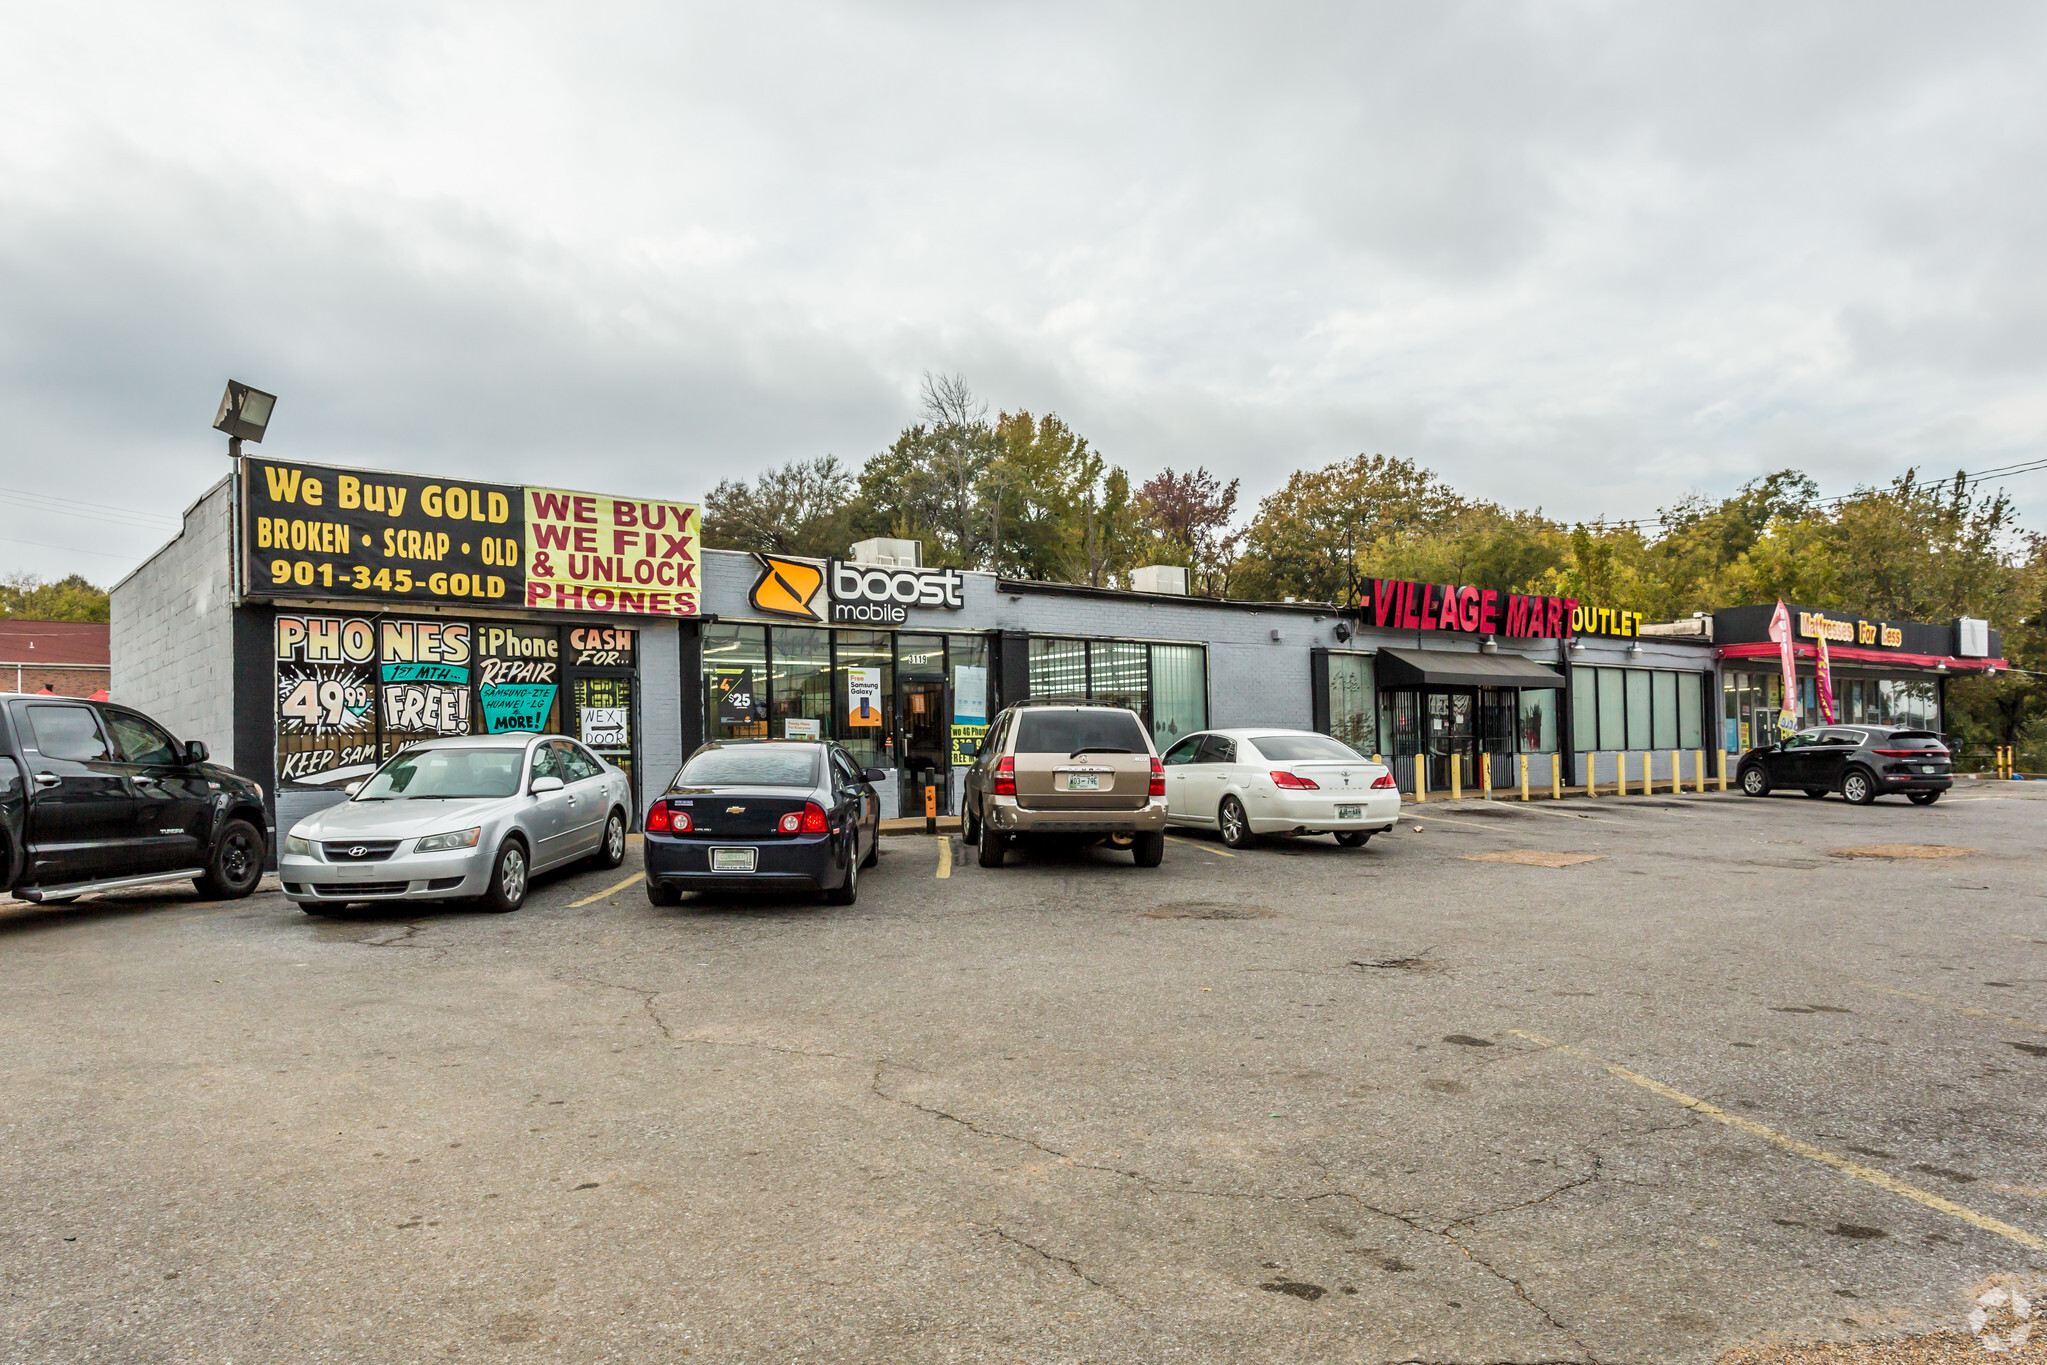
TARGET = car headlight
(441,843)
(294,844)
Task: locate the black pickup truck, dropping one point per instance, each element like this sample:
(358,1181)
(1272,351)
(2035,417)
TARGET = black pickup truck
(95,796)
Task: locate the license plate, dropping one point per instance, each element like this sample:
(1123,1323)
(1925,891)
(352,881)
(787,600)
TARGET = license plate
(1350,812)
(1933,767)
(733,859)
(1083,782)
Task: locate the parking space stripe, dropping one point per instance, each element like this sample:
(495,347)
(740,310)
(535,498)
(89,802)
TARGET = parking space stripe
(607,891)
(1958,1009)
(944,859)
(1218,852)
(1855,1169)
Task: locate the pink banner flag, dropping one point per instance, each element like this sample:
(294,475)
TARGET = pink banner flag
(1825,678)
(1780,631)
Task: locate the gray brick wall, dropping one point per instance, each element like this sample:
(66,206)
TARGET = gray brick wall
(172,634)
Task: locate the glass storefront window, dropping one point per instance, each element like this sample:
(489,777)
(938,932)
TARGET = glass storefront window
(863,716)
(1058,669)
(1352,701)
(1538,720)
(972,695)
(1663,713)
(735,681)
(1637,684)
(1613,730)
(1119,672)
(801,687)
(1690,730)
(1584,710)
(1179,692)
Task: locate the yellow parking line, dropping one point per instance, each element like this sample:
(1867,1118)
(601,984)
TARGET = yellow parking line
(1218,852)
(944,859)
(1958,1009)
(1882,1180)
(609,890)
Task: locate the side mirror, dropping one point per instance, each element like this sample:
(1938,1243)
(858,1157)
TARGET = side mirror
(872,775)
(543,785)
(352,788)
(195,751)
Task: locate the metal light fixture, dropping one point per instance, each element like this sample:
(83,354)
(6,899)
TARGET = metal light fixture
(244,413)
(1491,646)
(1634,648)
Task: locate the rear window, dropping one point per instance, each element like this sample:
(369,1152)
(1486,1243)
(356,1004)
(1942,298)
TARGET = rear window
(1066,732)
(751,766)
(1305,748)
(1920,738)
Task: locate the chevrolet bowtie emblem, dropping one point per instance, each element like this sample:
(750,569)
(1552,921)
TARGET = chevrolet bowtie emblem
(735,810)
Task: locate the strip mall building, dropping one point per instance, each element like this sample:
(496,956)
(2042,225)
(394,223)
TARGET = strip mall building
(309,621)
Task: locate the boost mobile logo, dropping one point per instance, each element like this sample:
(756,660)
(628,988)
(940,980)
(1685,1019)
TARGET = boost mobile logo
(861,593)
(788,587)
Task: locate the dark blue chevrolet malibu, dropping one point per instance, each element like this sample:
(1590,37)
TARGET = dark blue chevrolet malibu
(764,815)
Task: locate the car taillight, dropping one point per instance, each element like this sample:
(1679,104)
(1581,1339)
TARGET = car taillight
(791,823)
(1384,783)
(1005,777)
(1293,782)
(658,821)
(1158,778)
(1911,753)
(813,821)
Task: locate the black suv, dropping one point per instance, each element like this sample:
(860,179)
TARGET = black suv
(95,796)
(1862,762)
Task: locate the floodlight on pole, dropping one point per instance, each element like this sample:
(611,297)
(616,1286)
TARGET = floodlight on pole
(244,413)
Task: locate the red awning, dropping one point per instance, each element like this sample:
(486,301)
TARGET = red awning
(100,695)
(1853,654)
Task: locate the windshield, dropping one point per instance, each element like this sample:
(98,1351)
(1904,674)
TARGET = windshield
(446,775)
(1105,730)
(751,766)
(1305,749)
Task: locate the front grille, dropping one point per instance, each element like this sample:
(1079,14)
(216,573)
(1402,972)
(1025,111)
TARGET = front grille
(356,890)
(359,850)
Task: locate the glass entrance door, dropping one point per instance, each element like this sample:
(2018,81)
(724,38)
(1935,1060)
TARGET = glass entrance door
(1452,736)
(925,718)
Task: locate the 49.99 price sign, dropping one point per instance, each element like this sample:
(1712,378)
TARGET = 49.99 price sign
(317,533)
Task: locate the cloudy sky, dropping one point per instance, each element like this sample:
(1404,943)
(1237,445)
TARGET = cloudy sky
(1588,255)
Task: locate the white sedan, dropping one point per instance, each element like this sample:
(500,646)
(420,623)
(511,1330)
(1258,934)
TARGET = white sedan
(1251,782)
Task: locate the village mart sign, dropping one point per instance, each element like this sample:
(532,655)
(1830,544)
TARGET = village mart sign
(1395,604)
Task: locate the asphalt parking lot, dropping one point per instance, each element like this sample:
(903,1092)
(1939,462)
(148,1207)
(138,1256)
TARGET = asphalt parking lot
(1717,1085)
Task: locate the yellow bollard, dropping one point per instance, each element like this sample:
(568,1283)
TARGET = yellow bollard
(1421,779)
(1377,759)
(1556,777)
(1456,777)
(1723,768)
(1699,769)
(1648,782)
(1677,782)
(1524,777)
(1620,773)
(1591,775)
(1485,774)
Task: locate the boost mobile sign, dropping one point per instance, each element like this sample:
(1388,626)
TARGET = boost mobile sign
(867,594)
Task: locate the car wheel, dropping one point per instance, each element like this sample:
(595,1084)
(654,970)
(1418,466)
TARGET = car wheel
(1235,825)
(994,843)
(1859,790)
(659,893)
(848,891)
(1354,838)
(236,865)
(1148,849)
(1754,781)
(970,826)
(1922,798)
(508,879)
(1816,792)
(612,851)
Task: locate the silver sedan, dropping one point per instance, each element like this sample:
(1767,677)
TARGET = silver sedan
(460,819)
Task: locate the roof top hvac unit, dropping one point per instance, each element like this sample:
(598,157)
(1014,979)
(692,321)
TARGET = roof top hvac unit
(1159,578)
(1972,638)
(890,554)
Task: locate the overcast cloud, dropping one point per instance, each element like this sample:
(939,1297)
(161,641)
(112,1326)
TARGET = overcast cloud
(1589,256)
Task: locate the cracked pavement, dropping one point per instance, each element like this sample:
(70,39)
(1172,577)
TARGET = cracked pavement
(1061,1111)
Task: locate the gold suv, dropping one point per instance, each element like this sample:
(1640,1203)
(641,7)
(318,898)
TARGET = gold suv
(1067,768)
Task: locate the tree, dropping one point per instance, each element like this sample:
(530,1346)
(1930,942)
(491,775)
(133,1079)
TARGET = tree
(932,483)
(1188,517)
(25,597)
(1316,537)
(804,508)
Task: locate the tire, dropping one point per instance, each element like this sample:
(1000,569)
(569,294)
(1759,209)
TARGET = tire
(1754,781)
(1234,824)
(994,843)
(509,879)
(1858,788)
(970,826)
(1816,792)
(1922,798)
(659,894)
(1148,849)
(848,891)
(611,853)
(1354,838)
(235,865)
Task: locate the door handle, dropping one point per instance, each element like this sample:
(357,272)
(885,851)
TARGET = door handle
(145,781)
(49,780)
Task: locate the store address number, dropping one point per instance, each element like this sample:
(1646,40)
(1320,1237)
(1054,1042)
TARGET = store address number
(305,573)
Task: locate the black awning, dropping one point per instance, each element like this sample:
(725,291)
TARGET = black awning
(1447,668)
